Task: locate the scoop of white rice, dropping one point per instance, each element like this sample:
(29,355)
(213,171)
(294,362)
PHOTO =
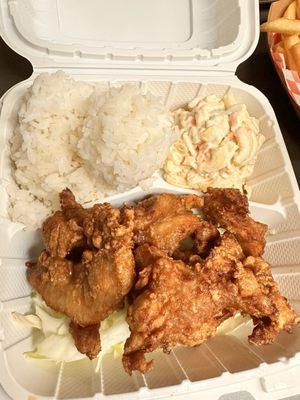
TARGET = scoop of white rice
(126,136)
(71,135)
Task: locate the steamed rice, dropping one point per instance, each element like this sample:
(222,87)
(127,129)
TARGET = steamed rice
(69,134)
(126,136)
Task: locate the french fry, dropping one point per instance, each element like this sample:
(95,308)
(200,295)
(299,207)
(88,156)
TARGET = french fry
(298,9)
(290,12)
(279,47)
(295,52)
(289,42)
(278,8)
(282,25)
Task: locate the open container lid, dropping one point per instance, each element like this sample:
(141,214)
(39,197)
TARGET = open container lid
(159,35)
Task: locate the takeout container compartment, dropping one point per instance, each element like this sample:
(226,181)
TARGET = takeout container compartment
(290,79)
(196,57)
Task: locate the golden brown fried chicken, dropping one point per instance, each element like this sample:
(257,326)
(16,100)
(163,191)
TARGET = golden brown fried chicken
(180,304)
(87,339)
(260,298)
(70,208)
(197,246)
(205,237)
(91,220)
(229,209)
(164,220)
(88,291)
(88,265)
(146,254)
(74,226)
(63,231)
(167,233)
(187,256)
(60,235)
(189,277)
(55,269)
(159,206)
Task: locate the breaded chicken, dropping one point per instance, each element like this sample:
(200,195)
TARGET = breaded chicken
(89,287)
(89,290)
(189,277)
(146,254)
(228,208)
(61,235)
(86,339)
(206,236)
(164,220)
(159,206)
(270,309)
(74,226)
(182,305)
(167,233)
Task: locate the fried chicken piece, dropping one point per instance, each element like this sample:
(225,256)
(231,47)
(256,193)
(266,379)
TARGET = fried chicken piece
(205,237)
(159,206)
(70,208)
(87,267)
(167,233)
(180,304)
(196,247)
(62,232)
(229,209)
(74,226)
(146,254)
(186,255)
(89,290)
(164,220)
(60,235)
(55,269)
(87,339)
(260,298)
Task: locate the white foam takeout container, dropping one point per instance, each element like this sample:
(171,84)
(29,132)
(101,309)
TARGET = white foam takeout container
(177,49)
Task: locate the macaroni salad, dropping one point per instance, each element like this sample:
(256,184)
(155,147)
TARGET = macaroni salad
(218,145)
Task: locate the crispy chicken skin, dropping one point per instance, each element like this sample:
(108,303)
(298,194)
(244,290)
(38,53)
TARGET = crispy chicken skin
(180,276)
(270,309)
(228,208)
(159,206)
(180,304)
(87,339)
(205,237)
(92,285)
(60,235)
(74,226)
(167,233)
(63,231)
(89,290)
(165,219)
(146,254)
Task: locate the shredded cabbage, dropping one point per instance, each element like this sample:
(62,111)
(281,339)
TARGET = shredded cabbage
(55,343)
(239,325)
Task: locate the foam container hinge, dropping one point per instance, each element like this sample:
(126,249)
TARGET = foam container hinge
(191,51)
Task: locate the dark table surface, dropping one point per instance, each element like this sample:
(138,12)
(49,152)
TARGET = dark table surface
(257,71)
